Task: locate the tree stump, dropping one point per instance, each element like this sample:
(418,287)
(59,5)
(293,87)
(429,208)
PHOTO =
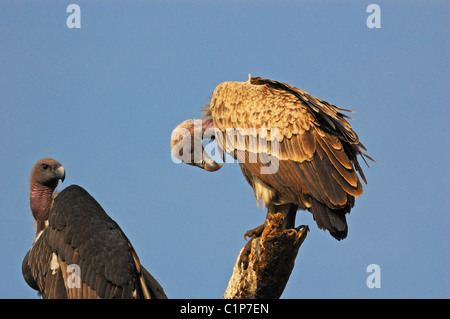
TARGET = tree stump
(264,265)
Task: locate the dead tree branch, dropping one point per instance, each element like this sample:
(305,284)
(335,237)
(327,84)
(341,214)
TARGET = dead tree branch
(264,265)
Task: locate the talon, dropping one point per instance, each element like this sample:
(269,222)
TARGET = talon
(247,234)
(302,228)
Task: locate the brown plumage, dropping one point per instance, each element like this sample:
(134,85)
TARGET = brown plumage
(79,252)
(313,146)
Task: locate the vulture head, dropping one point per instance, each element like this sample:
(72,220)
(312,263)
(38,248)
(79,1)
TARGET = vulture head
(186,144)
(44,178)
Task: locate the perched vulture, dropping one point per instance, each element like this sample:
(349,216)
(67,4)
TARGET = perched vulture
(296,151)
(79,251)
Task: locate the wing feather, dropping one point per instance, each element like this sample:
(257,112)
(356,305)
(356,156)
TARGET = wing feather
(81,233)
(317,146)
(334,192)
(348,174)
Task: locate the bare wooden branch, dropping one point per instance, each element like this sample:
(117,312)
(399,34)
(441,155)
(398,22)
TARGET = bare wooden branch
(264,265)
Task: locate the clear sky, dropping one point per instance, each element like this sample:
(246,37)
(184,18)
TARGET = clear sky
(104,98)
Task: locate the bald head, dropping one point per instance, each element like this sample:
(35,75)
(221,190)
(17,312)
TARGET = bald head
(47,172)
(44,178)
(186,144)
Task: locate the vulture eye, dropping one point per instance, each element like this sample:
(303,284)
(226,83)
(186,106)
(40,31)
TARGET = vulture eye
(44,166)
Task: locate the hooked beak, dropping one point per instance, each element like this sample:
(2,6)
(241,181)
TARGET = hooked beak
(61,173)
(208,166)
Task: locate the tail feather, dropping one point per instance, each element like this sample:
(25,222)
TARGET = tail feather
(331,219)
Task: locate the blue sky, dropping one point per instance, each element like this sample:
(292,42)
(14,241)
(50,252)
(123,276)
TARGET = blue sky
(103,100)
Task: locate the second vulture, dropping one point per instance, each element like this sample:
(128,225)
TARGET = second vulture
(79,252)
(295,150)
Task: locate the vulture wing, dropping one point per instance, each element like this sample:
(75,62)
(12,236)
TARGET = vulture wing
(81,237)
(313,145)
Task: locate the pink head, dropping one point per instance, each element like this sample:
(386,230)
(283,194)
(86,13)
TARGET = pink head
(44,178)
(187,144)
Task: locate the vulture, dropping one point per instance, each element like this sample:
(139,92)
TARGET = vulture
(295,150)
(79,252)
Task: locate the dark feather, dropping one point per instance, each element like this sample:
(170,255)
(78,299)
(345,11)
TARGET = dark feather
(81,232)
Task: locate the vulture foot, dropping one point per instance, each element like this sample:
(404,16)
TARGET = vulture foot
(255,232)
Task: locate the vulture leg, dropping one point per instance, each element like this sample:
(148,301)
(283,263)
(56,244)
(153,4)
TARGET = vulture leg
(288,211)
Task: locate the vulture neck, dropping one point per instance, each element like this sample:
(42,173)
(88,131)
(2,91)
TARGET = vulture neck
(207,124)
(40,204)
